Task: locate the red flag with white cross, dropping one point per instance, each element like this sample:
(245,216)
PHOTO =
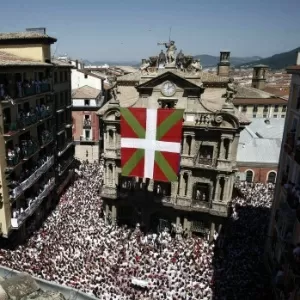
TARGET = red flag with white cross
(151,142)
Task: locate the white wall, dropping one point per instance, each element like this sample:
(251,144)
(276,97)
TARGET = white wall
(80,103)
(79,80)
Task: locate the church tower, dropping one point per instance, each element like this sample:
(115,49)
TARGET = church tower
(259,76)
(224,64)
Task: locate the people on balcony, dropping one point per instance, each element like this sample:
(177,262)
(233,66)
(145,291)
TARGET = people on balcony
(22,212)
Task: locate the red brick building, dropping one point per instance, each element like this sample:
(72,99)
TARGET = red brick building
(86,102)
(258,150)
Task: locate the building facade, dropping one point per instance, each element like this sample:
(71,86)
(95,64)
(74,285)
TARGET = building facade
(282,248)
(34,139)
(254,102)
(259,149)
(200,199)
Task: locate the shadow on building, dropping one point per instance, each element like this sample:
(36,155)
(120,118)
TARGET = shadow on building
(238,260)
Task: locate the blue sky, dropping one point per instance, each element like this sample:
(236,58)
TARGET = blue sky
(130,29)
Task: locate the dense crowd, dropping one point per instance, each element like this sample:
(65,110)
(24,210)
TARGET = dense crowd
(76,247)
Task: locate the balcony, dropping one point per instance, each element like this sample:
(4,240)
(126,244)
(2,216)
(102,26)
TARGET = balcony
(87,124)
(27,120)
(33,178)
(224,164)
(113,153)
(62,149)
(109,192)
(64,165)
(86,139)
(21,215)
(206,161)
(165,199)
(24,89)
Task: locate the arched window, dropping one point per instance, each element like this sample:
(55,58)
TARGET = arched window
(271,177)
(249,176)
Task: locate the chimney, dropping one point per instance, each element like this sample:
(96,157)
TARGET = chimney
(298,59)
(76,61)
(224,64)
(259,76)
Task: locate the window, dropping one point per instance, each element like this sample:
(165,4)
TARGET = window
(274,116)
(271,177)
(282,116)
(254,115)
(86,76)
(266,108)
(66,75)
(61,76)
(284,108)
(264,115)
(249,176)
(86,102)
(276,108)
(87,134)
(55,77)
(244,108)
(255,108)
(206,155)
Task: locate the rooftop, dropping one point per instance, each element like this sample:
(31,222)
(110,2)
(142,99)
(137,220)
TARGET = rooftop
(127,69)
(260,142)
(260,101)
(85,92)
(26,35)
(7,59)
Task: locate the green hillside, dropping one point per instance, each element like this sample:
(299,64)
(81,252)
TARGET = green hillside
(277,61)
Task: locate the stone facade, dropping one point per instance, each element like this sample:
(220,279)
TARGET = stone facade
(201,196)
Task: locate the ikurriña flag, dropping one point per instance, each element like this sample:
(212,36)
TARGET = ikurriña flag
(151,142)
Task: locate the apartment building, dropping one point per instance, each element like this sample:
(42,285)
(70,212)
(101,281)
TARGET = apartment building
(255,102)
(283,248)
(36,147)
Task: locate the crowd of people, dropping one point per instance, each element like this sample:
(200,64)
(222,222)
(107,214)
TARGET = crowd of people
(78,247)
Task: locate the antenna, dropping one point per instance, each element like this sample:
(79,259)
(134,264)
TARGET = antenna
(170,34)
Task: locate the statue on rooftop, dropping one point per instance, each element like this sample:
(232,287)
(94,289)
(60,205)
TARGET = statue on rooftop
(171,51)
(180,60)
(162,60)
(114,87)
(144,67)
(196,66)
(231,90)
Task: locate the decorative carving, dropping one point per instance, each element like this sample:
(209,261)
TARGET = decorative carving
(162,59)
(144,67)
(230,91)
(117,114)
(204,119)
(180,61)
(218,119)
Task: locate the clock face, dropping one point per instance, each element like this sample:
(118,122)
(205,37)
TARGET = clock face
(168,89)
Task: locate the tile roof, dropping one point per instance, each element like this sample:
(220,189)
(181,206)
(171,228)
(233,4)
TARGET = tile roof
(250,92)
(260,142)
(24,35)
(277,91)
(85,92)
(61,63)
(127,69)
(7,59)
(293,68)
(92,73)
(259,151)
(259,101)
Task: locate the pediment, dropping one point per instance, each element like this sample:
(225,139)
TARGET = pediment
(180,82)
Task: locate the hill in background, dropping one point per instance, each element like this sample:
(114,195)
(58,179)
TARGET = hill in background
(275,62)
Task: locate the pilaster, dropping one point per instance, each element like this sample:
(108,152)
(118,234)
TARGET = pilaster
(230,148)
(222,148)
(192,152)
(212,231)
(217,189)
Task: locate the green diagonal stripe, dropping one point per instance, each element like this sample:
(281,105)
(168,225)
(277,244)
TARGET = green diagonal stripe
(167,124)
(132,162)
(165,166)
(133,123)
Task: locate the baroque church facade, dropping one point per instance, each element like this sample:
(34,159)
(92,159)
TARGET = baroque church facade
(200,200)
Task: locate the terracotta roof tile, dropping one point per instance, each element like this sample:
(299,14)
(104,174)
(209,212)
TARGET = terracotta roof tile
(85,92)
(24,35)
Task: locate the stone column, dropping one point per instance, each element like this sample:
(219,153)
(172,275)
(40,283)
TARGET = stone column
(178,221)
(114,138)
(174,188)
(114,215)
(217,189)
(187,225)
(192,145)
(105,140)
(229,190)
(222,149)
(229,148)
(113,174)
(212,231)
(189,185)
(226,185)
(184,144)
(106,174)
(180,184)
